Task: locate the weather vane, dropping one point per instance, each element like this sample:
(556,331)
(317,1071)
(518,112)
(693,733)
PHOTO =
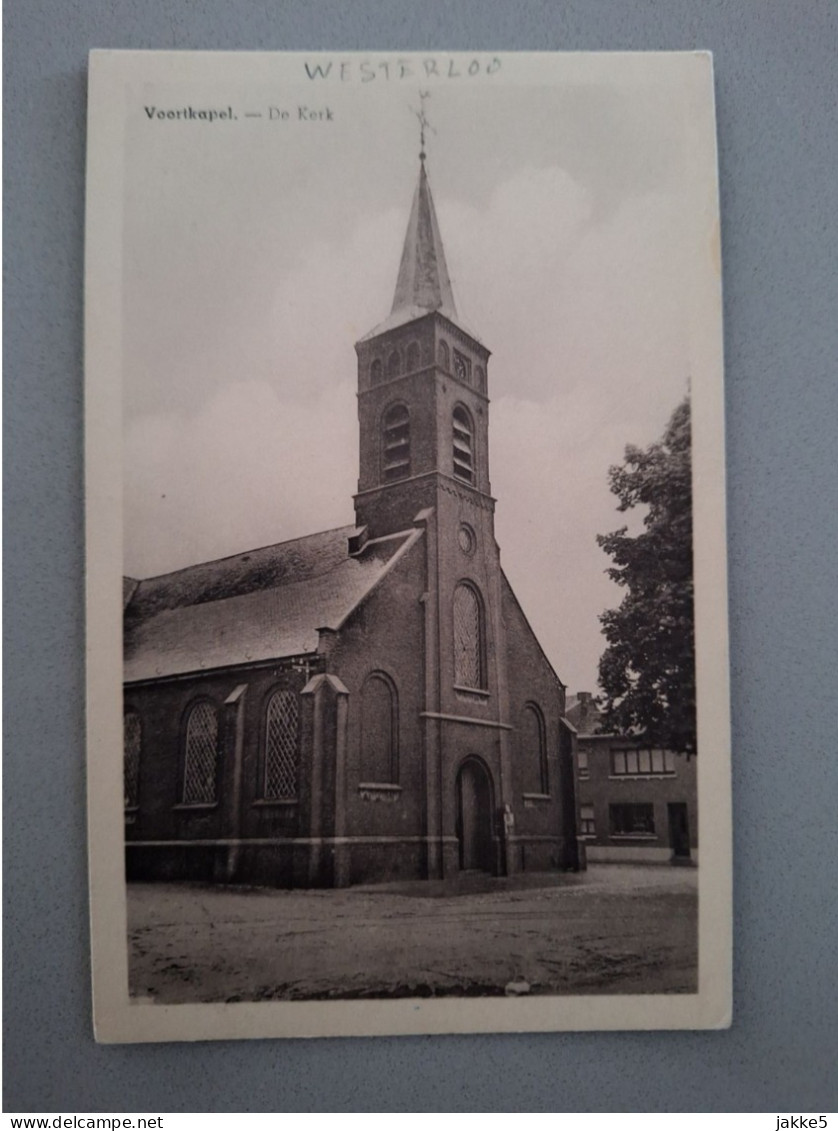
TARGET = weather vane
(424,124)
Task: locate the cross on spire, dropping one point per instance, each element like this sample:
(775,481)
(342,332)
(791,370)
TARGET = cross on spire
(423,282)
(424,124)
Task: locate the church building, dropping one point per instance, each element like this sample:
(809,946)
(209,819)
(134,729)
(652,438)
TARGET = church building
(368,703)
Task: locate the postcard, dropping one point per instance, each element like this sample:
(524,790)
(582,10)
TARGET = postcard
(407,617)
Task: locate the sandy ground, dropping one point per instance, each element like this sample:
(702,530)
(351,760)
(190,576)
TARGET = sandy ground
(613,929)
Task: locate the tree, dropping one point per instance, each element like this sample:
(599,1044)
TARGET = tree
(647,672)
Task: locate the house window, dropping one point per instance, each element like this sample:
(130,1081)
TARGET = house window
(469,666)
(636,763)
(463,445)
(201,760)
(394,364)
(587,825)
(395,443)
(282,726)
(443,356)
(376,372)
(132,741)
(632,820)
(534,750)
(379,730)
(413,357)
(582,762)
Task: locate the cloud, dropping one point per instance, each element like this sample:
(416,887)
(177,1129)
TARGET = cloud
(248,469)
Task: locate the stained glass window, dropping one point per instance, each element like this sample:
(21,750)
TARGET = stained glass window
(281,745)
(468,638)
(200,765)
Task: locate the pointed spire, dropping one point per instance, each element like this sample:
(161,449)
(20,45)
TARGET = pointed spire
(423,282)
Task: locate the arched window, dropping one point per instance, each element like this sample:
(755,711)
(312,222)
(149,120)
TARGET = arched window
(443,356)
(282,728)
(395,443)
(469,637)
(375,372)
(201,758)
(463,445)
(533,751)
(132,743)
(394,364)
(413,357)
(379,730)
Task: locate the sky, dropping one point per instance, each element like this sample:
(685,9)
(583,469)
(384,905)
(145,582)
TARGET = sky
(256,252)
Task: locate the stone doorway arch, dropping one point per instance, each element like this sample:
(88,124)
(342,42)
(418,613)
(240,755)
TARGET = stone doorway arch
(475,810)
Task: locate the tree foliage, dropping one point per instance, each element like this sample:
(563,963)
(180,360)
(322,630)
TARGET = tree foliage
(647,672)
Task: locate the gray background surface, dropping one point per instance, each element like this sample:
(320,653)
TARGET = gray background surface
(776,94)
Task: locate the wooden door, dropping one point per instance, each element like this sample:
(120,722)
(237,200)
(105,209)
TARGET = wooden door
(474,813)
(679,830)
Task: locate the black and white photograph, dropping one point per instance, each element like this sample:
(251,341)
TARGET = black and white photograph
(405,458)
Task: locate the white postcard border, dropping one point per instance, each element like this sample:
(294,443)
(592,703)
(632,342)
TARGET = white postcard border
(117,1019)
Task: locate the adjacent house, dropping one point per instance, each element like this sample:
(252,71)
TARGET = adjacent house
(636,803)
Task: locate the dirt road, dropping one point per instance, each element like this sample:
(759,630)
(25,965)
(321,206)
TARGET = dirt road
(613,929)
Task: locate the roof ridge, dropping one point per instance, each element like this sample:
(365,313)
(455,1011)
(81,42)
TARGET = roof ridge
(241,553)
(413,536)
(285,586)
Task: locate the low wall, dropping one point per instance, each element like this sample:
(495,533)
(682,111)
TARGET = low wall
(633,854)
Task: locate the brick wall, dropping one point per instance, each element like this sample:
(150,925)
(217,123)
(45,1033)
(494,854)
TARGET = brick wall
(601,788)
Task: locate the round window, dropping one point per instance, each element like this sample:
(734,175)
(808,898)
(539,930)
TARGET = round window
(467,539)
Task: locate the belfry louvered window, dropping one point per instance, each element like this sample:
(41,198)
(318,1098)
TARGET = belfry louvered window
(201,761)
(469,665)
(463,445)
(282,727)
(132,742)
(395,442)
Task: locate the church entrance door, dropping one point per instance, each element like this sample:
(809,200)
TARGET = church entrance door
(474,817)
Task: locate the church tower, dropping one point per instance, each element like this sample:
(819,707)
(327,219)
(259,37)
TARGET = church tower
(424,460)
(365,703)
(422,394)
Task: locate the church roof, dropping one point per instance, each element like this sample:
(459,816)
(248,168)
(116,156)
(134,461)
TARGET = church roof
(423,284)
(262,605)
